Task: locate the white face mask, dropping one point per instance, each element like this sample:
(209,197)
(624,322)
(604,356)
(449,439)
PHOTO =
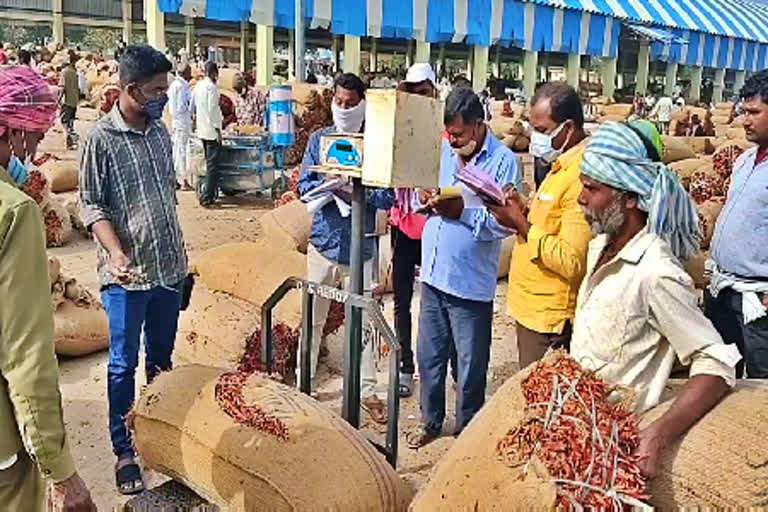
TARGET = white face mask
(348,120)
(541,145)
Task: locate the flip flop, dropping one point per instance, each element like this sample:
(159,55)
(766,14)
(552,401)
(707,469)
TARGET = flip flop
(128,479)
(375,408)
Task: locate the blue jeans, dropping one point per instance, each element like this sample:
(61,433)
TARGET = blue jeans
(446,320)
(157,312)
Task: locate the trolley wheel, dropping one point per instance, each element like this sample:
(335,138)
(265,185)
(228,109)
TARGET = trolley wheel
(229,192)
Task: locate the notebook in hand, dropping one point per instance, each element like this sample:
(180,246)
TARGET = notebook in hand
(481,184)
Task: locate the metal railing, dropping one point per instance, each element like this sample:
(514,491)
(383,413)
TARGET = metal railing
(354,304)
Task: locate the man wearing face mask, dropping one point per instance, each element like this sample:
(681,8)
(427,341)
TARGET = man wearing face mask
(128,197)
(549,259)
(33,441)
(329,240)
(459,262)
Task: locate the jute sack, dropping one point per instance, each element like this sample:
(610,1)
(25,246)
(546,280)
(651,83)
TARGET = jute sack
(708,212)
(502,126)
(694,267)
(738,122)
(62,175)
(214,329)
(58,226)
(685,169)
(227,77)
(80,331)
(724,105)
(252,271)
(701,145)
(181,431)
(288,226)
(622,110)
(676,149)
(505,256)
(517,143)
(720,119)
(736,133)
(722,461)
(699,111)
(470,476)
(611,118)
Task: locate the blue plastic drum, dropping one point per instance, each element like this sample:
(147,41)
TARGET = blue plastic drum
(281,115)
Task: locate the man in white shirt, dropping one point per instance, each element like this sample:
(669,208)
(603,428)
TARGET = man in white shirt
(209,120)
(662,112)
(637,310)
(180,108)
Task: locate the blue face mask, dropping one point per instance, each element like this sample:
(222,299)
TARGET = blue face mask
(17,170)
(154,108)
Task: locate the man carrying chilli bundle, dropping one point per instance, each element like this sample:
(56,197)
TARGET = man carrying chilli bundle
(33,441)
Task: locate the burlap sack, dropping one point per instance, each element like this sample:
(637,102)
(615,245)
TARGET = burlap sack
(722,462)
(720,119)
(288,226)
(80,331)
(181,431)
(724,105)
(694,267)
(622,110)
(708,212)
(505,256)
(62,175)
(305,94)
(252,271)
(502,126)
(680,114)
(54,269)
(676,149)
(471,477)
(611,118)
(736,133)
(227,77)
(685,169)
(214,329)
(58,226)
(385,283)
(699,111)
(701,145)
(738,122)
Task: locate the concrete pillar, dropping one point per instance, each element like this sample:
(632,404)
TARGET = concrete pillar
(441,60)
(643,68)
(127,21)
(670,80)
(422,52)
(719,86)
(470,63)
(265,47)
(58,21)
(374,55)
(697,73)
(335,52)
(574,70)
(608,68)
(479,67)
(409,54)
(352,54)
(189,34)
(741,77)
(497,62)
(291,54)
(530,72)
(155,25)
(245,43)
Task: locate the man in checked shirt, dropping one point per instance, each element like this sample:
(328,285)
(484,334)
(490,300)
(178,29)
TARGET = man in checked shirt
(127,191)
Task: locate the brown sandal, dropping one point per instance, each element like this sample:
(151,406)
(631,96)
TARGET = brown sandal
(375,408)
(421,436)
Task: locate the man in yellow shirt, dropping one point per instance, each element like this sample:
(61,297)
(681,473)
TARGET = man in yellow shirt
(549,260)
(33,445)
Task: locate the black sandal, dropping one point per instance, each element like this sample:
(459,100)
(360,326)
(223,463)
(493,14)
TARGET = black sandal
(128,479)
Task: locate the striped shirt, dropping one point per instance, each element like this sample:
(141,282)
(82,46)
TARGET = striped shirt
(127,178)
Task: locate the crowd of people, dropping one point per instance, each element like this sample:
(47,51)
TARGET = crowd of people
(597,268)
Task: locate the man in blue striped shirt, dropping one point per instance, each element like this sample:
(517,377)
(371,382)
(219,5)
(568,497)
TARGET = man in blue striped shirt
(459,260)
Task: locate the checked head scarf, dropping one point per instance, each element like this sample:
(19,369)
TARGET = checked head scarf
(26,101)
(616,156)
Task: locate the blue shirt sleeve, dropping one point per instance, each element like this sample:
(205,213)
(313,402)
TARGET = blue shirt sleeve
(309,180)
(484,225)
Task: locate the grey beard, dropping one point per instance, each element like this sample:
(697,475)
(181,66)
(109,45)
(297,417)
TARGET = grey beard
(607,222)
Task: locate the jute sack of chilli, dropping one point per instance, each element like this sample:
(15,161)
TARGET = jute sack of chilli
(676,149)
(288,226)
(721,463)
(247,444)
(62,175)
(80,322)
(537,444)
(58,225)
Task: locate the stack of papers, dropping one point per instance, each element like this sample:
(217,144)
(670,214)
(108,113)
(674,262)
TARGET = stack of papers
(481,184)
(317,198)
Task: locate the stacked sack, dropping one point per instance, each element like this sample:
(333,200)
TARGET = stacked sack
(80,320)
(508,124)
(721,115)
(311,111)
(616,112)
(56,221)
